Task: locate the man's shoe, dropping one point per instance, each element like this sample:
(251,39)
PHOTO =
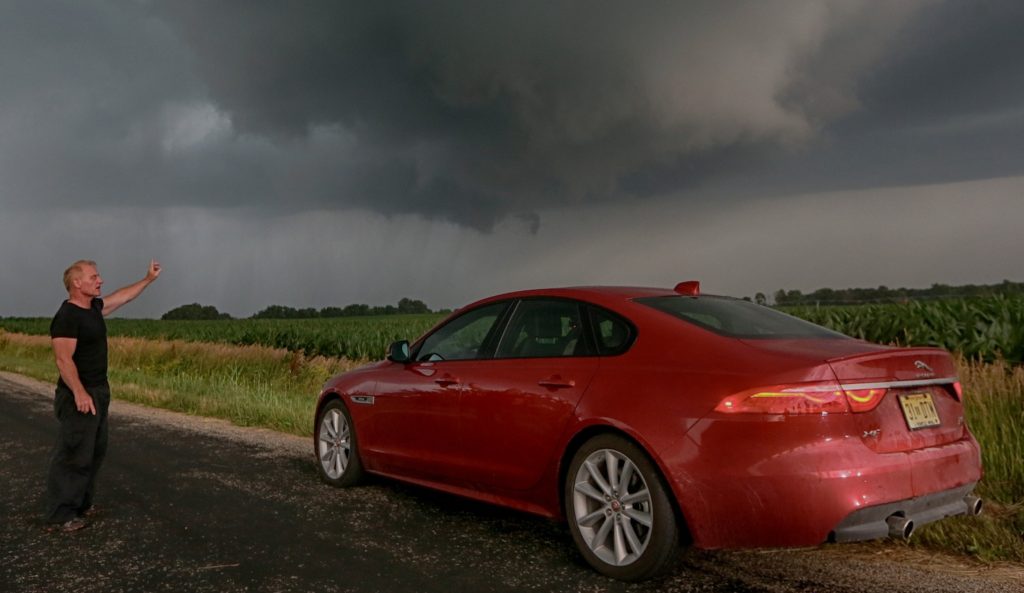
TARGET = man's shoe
(90,512)
(67,526)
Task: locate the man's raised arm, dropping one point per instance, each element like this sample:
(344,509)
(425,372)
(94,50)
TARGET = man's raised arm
(128,293)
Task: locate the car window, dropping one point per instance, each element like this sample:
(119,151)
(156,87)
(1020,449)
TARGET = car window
(737,318)
(544,328)
(464,337)
(614,335)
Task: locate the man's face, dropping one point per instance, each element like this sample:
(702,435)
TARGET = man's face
(89,281)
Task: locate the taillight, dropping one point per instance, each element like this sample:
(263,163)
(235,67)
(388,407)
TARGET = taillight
(959,389)
(863,400)
(813,398)
(816,398)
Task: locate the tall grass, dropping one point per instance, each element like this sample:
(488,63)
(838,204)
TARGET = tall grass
(994,406)
(994,396)
(248,385)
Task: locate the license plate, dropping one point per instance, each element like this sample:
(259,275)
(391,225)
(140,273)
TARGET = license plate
(919,410)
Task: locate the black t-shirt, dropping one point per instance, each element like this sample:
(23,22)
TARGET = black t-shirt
(88,327)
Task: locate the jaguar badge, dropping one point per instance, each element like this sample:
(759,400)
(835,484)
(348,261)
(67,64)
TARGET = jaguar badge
(924,367)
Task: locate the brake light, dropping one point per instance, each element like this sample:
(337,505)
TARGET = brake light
(959,389)
(814,398)
(688,288)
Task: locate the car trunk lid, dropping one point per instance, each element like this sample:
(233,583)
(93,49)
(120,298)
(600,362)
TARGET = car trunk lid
(904,380)
(921,404)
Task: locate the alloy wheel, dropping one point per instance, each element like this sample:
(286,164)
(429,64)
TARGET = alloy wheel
(335,443)
(612,507)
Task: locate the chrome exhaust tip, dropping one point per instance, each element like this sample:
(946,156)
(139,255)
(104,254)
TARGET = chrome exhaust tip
(900,527)
(974,504)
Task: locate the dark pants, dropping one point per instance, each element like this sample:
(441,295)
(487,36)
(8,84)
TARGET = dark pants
(78,454)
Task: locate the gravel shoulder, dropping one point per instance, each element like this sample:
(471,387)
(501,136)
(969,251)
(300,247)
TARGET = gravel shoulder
(197,504)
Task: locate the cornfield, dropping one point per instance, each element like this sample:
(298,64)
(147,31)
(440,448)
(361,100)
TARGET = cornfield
(356,338)
(983,328)
(988,328)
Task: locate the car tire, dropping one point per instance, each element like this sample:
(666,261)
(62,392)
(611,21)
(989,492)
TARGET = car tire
(627,531)
(337,450)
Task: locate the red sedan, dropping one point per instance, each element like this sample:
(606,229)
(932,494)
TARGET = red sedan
(650,417)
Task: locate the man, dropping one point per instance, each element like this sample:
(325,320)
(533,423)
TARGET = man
(79,337)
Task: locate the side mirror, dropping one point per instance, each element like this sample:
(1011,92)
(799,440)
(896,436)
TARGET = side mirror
(399,352)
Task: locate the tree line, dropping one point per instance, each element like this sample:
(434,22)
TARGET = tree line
(821,296)
(883,294)
(405,306)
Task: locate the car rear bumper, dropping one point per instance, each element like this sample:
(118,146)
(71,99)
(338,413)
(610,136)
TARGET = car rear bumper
(793,494)
(873,522)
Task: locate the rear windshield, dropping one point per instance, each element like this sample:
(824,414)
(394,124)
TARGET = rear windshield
(737,318)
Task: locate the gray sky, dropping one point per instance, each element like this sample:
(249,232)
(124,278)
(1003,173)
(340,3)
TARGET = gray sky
(316,153)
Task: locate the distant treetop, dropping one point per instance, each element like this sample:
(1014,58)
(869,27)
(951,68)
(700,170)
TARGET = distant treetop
(195,311)
(405,306)
(884,294)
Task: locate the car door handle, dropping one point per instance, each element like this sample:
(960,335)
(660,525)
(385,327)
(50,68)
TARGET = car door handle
(446,380)
(556,382)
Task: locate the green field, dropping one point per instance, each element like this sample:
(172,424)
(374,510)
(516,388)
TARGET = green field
(356,338)
(986,328)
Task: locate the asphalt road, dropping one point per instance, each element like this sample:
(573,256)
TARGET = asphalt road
(198,505)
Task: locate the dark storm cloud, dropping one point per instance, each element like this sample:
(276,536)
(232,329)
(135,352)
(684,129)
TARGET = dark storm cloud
(945,102)
(472,110)
(85,90)
(477,111)
(957,60)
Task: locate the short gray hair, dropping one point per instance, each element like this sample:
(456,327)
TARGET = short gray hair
(74,270)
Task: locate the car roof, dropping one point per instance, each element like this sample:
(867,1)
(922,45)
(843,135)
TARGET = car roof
(596,294)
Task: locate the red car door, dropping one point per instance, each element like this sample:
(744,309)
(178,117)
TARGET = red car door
(514,407)
(513,415)
(413,430)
